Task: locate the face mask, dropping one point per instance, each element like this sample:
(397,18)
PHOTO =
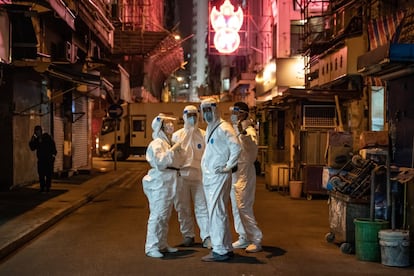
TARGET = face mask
(191,121)
(169,128)
(234,118)
(208,116)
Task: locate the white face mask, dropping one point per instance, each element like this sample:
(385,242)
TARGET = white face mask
(191,121)
(234,118)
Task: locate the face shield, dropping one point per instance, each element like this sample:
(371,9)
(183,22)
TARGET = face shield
(190,116)
(208,110)
(158,122)
(237,114)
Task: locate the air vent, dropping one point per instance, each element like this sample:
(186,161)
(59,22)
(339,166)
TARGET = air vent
(319,116)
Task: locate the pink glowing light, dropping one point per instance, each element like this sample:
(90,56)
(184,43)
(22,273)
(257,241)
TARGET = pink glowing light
(226,23)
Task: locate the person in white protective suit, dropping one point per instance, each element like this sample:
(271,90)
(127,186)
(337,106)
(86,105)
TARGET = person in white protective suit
(219,158)
(244,182)
(159,185)
(190,186)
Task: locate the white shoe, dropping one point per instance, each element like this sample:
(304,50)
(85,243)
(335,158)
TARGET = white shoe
(240,243)
(253,248)
(155,254)
(169,249)
(207,243)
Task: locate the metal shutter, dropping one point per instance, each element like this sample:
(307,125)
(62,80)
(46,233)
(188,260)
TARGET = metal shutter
(58,136)
(80,132)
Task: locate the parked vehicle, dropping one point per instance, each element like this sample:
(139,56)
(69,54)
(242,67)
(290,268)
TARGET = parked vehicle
(133,127)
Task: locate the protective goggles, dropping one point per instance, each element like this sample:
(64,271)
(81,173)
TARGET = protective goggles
(236,110)
(165,117)
(207,107)
(190,112)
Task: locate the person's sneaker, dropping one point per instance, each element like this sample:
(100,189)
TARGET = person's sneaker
(154,254)
(240,243)
(214,257)
(188,241)
(207,243)
(253,248)
(169,249)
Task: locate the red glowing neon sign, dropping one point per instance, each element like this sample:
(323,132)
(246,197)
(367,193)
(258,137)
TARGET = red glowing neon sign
(226,23)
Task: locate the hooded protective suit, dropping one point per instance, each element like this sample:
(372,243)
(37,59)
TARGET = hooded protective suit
(244,186)
(159,186)
(190,184)
(220,156)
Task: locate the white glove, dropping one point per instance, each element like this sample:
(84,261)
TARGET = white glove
(223,170)
(176,147)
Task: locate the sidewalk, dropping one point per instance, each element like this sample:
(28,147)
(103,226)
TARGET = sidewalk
(24,212)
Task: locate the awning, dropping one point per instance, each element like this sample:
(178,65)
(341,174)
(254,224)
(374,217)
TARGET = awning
(136,42)
(165,59)
(395,57)
(320,95)
(386,59)
(71,75)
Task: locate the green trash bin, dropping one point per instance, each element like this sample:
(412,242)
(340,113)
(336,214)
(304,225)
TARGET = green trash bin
(367,246)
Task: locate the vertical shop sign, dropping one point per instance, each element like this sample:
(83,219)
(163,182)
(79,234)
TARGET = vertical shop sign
(226,23)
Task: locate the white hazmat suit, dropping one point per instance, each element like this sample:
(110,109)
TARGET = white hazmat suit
(159,186)
(190,186)
(219,158)
(244,188)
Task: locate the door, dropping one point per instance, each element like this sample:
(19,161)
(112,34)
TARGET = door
(313,147)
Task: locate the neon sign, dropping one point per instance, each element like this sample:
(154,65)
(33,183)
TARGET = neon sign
(226,23)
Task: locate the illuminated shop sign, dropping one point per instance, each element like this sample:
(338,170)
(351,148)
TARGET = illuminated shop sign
(226,23)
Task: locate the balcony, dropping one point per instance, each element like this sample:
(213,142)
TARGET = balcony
(244,81)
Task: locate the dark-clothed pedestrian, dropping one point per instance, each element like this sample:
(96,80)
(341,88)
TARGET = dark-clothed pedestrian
(45,148)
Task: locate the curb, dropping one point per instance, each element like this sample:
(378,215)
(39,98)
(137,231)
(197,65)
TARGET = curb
(46,222)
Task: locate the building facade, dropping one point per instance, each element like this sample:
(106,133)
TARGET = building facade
(46,80)
(63,63)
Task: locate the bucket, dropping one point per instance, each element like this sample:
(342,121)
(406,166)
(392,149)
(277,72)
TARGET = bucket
(366,238)
(295,188)
(395,247)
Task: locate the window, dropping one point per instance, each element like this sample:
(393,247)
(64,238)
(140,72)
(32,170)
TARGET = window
(296,42)
(377,113)
(138,125)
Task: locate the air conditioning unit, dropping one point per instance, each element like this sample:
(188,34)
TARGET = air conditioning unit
(68,51)
(64,52)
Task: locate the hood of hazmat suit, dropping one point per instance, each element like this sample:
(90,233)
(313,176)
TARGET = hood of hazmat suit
(192,143)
